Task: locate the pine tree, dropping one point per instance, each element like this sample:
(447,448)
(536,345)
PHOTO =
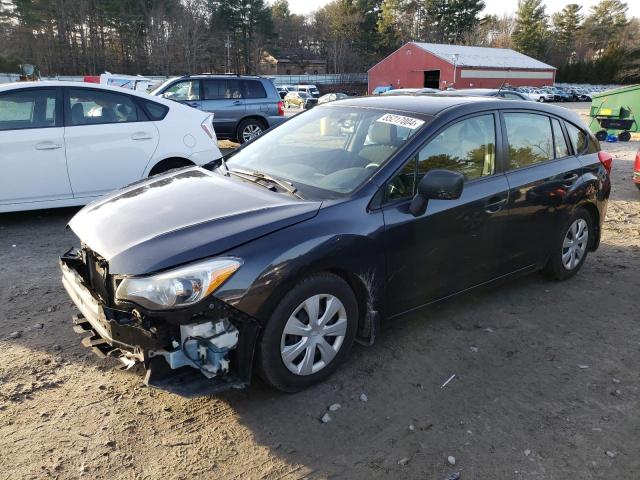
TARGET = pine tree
(566,27)
(531,33)
(605,25)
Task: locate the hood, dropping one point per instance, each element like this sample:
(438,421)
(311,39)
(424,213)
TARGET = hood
(180,217)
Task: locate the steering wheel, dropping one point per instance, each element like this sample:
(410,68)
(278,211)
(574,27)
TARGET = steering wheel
(372,165)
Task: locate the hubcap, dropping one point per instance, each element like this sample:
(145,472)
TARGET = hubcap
(313,334)
(251,131)
(575,244)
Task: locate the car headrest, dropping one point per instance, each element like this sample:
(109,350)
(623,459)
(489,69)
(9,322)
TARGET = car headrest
(77,114)
(383,133)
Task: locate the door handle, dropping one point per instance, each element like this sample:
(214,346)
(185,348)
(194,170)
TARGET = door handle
(194,104)
(141,136)
(237,102)
(569,179)
(48,146)
(495,204)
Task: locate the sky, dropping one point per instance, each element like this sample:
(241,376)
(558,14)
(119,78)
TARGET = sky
(493,6)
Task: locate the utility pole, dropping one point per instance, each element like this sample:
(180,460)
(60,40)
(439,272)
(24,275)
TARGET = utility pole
(227,63)
(455,65)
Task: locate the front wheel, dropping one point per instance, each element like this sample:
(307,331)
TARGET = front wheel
(309,333)
(571,246)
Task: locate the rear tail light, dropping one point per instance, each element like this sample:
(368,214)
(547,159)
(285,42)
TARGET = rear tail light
(280,109)
(636,165)
(207,126)
(606,159)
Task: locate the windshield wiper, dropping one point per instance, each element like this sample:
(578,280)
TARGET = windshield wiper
(256,176)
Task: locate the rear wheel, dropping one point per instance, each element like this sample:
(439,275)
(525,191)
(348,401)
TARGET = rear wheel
(571,246)
(601,135)
(309,333)
(249,129)
(624,136)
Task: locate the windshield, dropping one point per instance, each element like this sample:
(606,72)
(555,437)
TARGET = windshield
(328,151)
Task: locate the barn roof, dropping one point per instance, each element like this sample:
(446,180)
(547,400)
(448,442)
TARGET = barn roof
(483,56)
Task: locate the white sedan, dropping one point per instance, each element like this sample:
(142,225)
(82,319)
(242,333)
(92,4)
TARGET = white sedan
(66,143)
(538,95)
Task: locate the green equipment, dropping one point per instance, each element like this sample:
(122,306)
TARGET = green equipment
(613,112)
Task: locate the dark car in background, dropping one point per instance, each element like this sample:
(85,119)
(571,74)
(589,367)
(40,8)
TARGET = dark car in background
(243,106)
(305,238)
(332,97)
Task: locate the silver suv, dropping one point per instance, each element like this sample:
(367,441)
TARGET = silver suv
(243,106)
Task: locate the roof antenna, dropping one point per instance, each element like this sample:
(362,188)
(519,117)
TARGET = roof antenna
(501,86)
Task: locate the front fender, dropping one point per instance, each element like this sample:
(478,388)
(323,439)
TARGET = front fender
(332,242)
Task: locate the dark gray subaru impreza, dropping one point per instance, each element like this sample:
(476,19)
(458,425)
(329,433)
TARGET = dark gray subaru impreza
(305,238)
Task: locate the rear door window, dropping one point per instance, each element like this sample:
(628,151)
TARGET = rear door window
(222,89)
(90,107)
(530,139)
(29,108)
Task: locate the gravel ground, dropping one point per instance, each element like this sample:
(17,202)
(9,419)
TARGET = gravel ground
(546,383)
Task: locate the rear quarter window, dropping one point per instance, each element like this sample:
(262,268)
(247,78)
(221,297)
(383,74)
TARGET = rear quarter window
(155,111)
(254,89)
(582,142)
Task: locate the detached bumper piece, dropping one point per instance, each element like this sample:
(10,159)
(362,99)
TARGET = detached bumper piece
(205,353)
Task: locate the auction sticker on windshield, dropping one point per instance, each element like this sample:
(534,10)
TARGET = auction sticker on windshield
(401,121)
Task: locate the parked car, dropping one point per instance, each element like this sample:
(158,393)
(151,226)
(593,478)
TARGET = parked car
(537,95)
(284,89)
(65,143)
(309,89)
(243,106)
(380,89)
(484,92)
(133,82)
(427,90)
(401,91)
(299,100)
(332,97)
(360,210)
(636,170)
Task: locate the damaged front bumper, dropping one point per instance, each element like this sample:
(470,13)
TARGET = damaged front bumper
(202,351)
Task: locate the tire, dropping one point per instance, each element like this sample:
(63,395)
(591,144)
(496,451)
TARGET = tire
(624,136)
(601,135)
(249,129)
(541,99)
(562,264)
(308,365)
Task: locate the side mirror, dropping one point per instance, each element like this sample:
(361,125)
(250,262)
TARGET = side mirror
(439,185)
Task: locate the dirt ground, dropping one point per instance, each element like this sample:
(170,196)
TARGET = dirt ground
(546,383)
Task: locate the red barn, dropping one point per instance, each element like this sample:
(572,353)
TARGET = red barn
(432,65)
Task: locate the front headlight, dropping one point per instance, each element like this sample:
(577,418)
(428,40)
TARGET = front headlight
(180,287)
